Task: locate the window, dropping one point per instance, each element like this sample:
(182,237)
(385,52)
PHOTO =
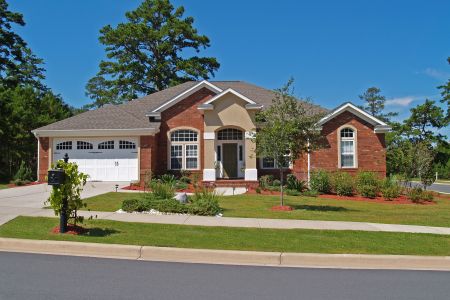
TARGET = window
(106,145)
(183,136)
(347,148)
(219,153)
(176,157)
(64,145)
(127,145)
(270,163)
(229,134)
(184,151)
(241,153)
(191,156)
(82,145)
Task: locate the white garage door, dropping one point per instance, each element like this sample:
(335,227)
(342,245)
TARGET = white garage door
(103,159)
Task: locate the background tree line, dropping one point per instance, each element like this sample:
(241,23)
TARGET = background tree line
(415,147)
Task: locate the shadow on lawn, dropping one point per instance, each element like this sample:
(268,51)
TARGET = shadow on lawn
(100,232)
(321,208)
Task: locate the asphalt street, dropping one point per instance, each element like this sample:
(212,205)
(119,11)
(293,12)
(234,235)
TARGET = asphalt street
(36,276)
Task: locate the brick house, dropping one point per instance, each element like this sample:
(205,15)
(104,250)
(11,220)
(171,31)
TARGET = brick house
(206,128)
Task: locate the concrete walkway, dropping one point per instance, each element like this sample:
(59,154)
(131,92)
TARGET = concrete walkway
(240,222)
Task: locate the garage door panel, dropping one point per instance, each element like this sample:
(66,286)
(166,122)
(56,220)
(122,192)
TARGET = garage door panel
(102,164)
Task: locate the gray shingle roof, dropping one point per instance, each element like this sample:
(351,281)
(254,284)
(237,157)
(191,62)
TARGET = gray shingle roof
(132,114)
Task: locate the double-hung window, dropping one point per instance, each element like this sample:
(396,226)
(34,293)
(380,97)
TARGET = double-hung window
(184,150)
(347,148)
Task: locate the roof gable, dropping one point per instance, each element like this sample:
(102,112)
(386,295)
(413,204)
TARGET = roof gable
(379,125)
(186,93)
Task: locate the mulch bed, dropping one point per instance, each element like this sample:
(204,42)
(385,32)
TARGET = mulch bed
(281,208)
(71,229)
(12,185)
(400,200)
(190,189)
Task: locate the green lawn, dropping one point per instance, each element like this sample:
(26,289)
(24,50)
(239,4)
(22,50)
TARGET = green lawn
(294,240)
(308,208)
(3,186)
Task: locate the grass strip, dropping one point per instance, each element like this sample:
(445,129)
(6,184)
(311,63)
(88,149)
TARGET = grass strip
(228,238)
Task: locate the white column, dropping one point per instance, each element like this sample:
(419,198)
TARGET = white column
(251,174)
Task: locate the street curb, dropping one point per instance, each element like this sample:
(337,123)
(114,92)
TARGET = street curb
(228,257)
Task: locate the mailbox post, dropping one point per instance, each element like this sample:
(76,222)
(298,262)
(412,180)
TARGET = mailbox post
(56,177)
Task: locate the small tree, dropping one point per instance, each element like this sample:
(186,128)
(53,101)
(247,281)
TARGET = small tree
(71,190)
(286,129)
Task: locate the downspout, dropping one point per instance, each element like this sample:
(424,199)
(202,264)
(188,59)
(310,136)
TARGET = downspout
(309,165)
(38,158)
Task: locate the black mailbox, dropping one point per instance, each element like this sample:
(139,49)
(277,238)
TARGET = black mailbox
(56,177)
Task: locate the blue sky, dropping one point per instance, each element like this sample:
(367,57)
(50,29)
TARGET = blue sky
(334,49)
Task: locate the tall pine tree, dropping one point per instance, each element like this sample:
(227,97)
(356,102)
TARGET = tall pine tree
(149,53)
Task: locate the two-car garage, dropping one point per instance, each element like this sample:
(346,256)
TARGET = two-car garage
(103,159)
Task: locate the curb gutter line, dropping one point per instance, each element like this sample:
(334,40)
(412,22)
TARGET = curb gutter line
(227,257)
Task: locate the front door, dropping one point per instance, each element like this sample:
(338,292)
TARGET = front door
(229,160)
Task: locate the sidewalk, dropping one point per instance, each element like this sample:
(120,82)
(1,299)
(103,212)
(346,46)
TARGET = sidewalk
(235,222)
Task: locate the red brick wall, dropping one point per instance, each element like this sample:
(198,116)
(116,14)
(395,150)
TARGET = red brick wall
(371,148)
(44,150)
(148,157)
(183,114)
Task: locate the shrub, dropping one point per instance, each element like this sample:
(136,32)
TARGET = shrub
(390,189)
(276,183)
(23,174)
(258,190)
(273,188)
(170,206)
(293,183)
(415,194)
(265,181)
(291,192)
(180,185)
(168,179)
(320,181)
(185,179)
(310,193)
(343,184)
(130,205)
(367,184)
(204,202)
(20,182)
(163,190)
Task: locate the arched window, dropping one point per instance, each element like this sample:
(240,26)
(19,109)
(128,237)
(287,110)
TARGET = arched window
(67,145)
(106,145)
(184,149)
(347,148)
(229,134)
(126,145)
(82,145)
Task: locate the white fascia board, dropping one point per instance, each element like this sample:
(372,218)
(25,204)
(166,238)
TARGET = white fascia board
(188,92)
(382,129)
(95,132)
(205,107)
(232,92)
(355,110)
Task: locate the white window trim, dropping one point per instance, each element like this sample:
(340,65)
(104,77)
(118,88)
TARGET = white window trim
(183,149)
(355,146)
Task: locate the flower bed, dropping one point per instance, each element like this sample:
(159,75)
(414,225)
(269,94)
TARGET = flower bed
(12,185)
(399,200)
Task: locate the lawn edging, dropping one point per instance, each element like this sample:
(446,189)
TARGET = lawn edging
(227,257)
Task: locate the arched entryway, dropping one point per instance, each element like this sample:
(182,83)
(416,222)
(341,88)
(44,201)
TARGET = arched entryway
(230,153)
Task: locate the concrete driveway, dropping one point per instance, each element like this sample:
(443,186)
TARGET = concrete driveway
(29,199)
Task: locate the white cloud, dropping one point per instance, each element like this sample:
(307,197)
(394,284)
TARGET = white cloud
(402,101)
(436,74)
